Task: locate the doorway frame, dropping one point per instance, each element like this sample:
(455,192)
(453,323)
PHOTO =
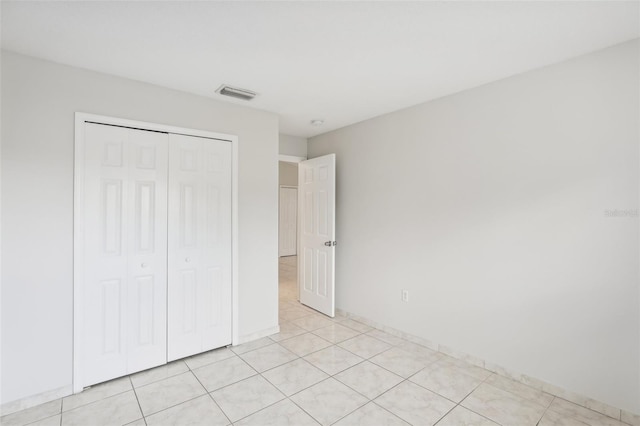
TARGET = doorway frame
(78,223)
(289,159)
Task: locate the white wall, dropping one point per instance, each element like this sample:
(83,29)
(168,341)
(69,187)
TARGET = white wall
(293,145)
(288,173)
(39,99)
(489,207)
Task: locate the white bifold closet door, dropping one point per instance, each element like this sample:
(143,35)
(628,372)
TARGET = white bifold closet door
(125,257)
(199,291)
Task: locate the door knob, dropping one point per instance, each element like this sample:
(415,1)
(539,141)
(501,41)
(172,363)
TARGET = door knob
(187,260)
(143,265)
(330,243)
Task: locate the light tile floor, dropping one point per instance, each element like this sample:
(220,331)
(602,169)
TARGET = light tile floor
(317,370)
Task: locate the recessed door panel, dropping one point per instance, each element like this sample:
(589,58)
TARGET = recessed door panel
(145,209)
(146,157)
(214,296)
(111,213)
(188,297)
(110,318)
(145,308)
(213,216)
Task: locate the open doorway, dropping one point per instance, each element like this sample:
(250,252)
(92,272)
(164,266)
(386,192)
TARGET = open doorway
(287,232)
(312,226)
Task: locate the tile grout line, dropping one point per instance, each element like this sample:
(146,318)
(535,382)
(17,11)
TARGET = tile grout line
(211,396)
(137,400)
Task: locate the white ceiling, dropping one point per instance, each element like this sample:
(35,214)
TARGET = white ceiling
(342,62)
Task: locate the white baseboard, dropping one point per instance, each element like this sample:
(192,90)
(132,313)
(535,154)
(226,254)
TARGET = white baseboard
(33,400)
(584,401)
(41,398)
(257,335)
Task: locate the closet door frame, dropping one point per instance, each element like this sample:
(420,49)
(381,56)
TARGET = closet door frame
(78,224)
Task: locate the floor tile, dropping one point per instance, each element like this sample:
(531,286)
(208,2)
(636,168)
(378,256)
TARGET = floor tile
(294,376)
(305,344)
(293,314)
(312,322)
(199,411)
(158,373)
(96,393)
(119,410)
(369,379)
(385,337)
(168,392)
(223,373)
(520,389)
(32,414)
(503,407)
(355,325)
(460,416)
(268,357)
(552,418)
(139,422)
(328,401)
(365,346)
(336,333)
(49,421)
(287,304)
(569,410)
(369,415)
(210,357)
(446,380)
(249,346)
(287,331)
(415,404)
(399,361)
(425,354)
(283,413)
(246,397)
(333,359)
(469,369)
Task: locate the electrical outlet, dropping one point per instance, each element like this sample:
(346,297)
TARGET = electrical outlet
(405,295)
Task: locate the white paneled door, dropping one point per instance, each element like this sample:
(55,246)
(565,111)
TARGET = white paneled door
(125,257)
(316,257)
(199,307)
(288,218)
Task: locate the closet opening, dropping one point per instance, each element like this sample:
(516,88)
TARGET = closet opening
(155,245)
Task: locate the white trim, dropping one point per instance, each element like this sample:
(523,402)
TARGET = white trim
(78,231)
(291,158)
(257,335)
(581,400)
(78,251)
(235,257)
(33,400)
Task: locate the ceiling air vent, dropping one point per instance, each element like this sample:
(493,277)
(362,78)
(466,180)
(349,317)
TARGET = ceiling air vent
(234,92)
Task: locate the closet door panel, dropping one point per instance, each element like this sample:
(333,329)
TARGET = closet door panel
(125,251)
(105,256)
(199,314)
(216,320)
(185,241)
(148,171)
